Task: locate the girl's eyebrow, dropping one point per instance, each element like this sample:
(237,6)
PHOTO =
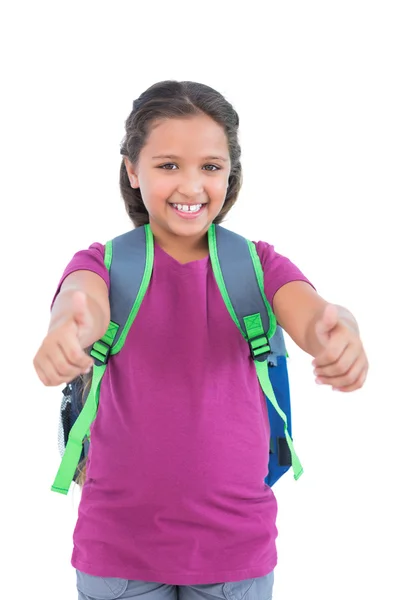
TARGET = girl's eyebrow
(175,157)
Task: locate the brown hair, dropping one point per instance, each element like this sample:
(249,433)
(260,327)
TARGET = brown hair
(173,100)
(81,472)
(85,382)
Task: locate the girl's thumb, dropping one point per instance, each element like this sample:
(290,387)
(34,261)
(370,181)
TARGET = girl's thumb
(327,322)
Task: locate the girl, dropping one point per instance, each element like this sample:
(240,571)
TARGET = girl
(174,501)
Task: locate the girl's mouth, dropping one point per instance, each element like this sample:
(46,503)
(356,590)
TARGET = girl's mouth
(188,211)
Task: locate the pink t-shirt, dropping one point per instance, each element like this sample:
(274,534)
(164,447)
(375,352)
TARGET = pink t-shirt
(179,449)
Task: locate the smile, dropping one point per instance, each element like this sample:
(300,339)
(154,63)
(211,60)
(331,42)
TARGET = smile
(187,211)
(193,208)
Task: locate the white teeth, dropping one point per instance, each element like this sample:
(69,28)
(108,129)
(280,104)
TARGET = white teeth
(187,207)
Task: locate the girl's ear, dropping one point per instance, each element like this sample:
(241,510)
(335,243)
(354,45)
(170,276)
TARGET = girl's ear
(133,178)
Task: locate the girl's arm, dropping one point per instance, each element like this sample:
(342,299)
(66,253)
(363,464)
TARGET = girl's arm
(328,332)
(80,316)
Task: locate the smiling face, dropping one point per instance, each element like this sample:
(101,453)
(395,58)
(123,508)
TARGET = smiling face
(183,173)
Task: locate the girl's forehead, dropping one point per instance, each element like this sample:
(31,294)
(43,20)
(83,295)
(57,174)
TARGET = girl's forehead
(194,132)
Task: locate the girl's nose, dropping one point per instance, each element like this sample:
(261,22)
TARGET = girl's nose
(191,186)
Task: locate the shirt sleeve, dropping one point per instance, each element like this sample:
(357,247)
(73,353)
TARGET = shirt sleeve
(91,259)
(278,270)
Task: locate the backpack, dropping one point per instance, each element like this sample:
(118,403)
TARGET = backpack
(240,278)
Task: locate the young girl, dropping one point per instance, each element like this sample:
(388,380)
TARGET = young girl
(174,501)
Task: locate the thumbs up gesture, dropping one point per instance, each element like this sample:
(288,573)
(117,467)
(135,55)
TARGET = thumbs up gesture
(62,357)
(341,361)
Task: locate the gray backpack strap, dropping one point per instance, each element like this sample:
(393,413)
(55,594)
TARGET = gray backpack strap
(240,278)
(130,272)
(129,259)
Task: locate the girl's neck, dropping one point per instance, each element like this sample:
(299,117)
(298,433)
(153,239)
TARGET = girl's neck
(181,248)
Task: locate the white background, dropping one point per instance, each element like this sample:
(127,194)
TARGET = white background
(316,85)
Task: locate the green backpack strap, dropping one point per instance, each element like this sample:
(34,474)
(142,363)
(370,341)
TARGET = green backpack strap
(131,253)
(240,278)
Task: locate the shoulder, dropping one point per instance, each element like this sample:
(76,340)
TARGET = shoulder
(94,252)
(89,259)
(270,258)
(278,269)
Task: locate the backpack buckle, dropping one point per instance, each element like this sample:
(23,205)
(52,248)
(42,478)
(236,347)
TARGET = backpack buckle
(100,352)
(260,348)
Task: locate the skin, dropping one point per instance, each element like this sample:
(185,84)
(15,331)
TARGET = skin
(186,174)
(198,174)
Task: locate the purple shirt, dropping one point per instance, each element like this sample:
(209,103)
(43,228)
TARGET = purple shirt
(179,449)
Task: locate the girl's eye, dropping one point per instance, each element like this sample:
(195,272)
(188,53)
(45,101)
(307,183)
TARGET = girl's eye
(213,168)
(167,166)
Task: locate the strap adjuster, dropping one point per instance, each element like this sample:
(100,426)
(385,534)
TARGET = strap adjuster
(100,352)
(260,348)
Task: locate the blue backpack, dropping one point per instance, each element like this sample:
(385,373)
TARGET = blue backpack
(240,278)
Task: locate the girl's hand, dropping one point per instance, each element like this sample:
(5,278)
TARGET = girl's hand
(342,363)
(62,356)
